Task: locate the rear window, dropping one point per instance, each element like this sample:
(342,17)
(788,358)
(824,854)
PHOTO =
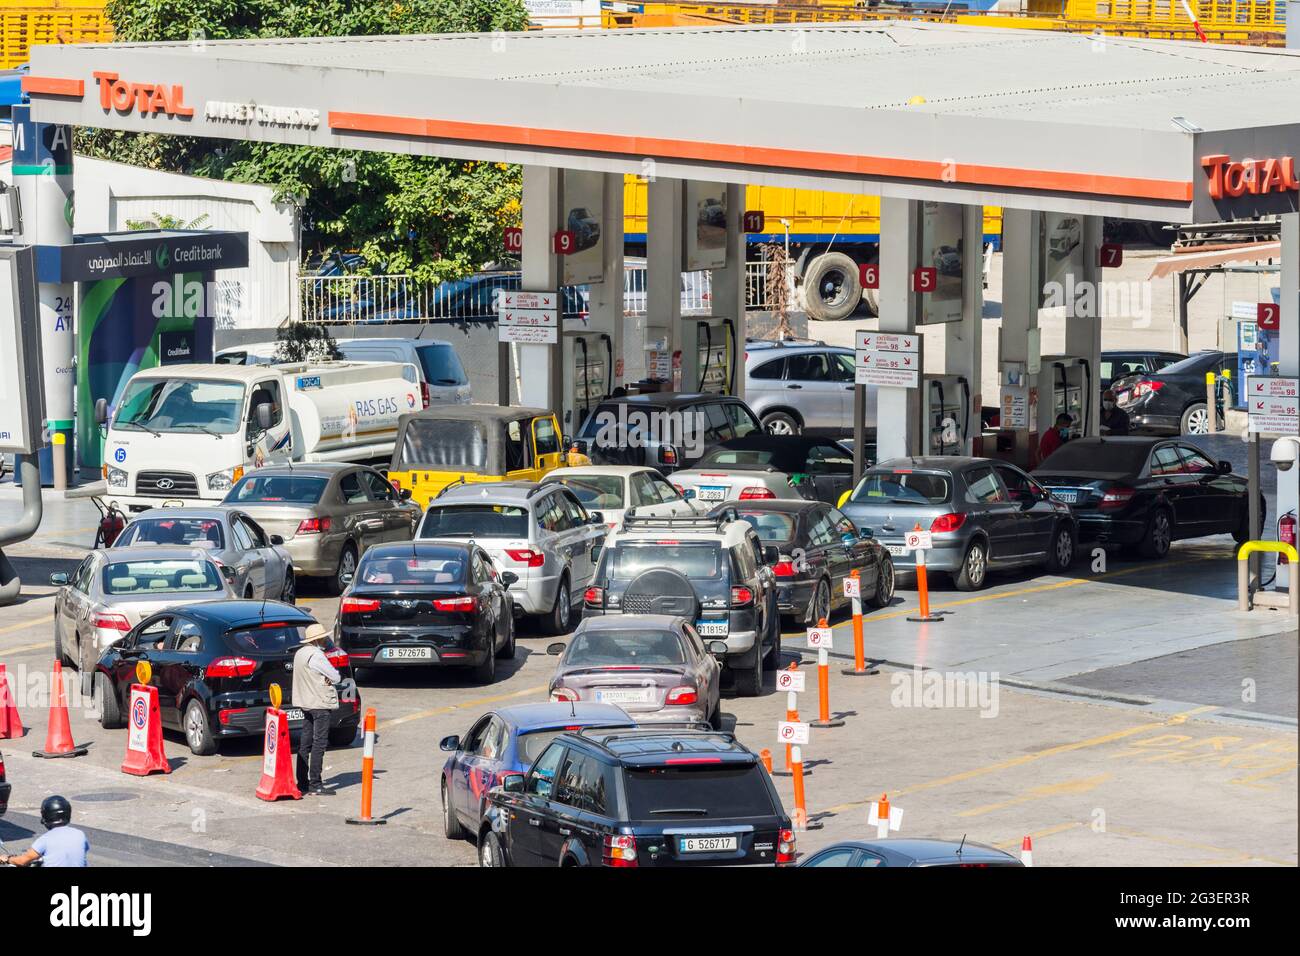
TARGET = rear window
(628,648)
(479,521)
(441,365)
(154,577)
(1124,457)
(770,526)
(200,532)
(291,489)
(904,487)
(738,458)
(273,638)
(441,445)
(695,561)
(698,792)
(1193,363)
(420,570)
(596,492)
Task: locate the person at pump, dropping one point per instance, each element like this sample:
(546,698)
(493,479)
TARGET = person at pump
(1057,436)
(1114,420)
(61,845)
(314,683)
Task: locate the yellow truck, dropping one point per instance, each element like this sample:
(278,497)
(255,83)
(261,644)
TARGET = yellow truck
(24,24)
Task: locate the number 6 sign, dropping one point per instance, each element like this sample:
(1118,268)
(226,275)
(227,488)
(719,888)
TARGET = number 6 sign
(869,275)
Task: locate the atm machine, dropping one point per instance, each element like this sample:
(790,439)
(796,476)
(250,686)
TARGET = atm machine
(711,356)
(1065,384)
(588,376)
(946,424)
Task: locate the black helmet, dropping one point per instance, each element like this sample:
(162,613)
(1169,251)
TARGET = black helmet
(56,811)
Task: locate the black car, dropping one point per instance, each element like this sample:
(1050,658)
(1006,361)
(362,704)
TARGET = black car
(818,549)
(5,788)
(428,604)
(710,569)
(1119,364)
(1172,400)
(638,798)
(214,664)
(909,852)
(664,430)
(769,466)
(1145,493)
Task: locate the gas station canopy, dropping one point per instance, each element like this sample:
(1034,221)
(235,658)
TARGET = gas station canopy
(1087,124)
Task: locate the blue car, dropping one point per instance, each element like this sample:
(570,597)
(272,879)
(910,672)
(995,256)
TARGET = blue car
(503,742)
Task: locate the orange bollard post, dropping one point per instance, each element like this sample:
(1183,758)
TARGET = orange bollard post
(791,713)
(367,774)
(824,688)
(853,589)
(923,591)
(800,807)
(765,755)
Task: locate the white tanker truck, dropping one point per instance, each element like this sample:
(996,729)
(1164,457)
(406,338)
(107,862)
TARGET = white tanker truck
(184,434)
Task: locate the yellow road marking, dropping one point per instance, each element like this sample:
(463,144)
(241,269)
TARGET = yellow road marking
(1066,787)
(1014,844)
(47,619)
(23,648)
(1240,855)
(1029,758)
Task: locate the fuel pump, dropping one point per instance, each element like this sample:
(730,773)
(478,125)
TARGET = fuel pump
(1065,384)
(945,415)
(711,365)
(588,368)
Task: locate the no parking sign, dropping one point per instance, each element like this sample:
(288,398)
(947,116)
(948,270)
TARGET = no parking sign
(272,741)
(792,732)
(788,680)
(144,746)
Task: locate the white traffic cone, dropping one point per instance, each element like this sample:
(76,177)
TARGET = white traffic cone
(1027,852)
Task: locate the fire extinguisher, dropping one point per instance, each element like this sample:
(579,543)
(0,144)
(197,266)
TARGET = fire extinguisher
(1286,533)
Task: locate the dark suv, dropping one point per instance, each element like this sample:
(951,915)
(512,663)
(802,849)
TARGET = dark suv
(638,798)
(710,569)
(5,788)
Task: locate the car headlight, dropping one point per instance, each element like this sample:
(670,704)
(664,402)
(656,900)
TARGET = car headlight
(225,480)
(116,477)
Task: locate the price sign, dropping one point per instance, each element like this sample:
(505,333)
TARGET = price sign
(1110,255)
(1269,316)
(564,242)
(819,637)
(753,220)
(869,275)
(514,237)
(528,317)
(1273,405)
(852,587)
(791,732)
(925,279)
(866,341)
(788,680)
(918,541)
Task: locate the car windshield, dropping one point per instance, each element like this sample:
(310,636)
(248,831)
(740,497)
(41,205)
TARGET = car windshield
(696,561)
(905,487)
(441,365)
(596,492)
(443,445)
(181,404)
(200,532)
(478,521)
(276,637)
(612,421)
(697,792)
(161,577)
(770,526)
(624,648)
(1125,457)
(447,568)
(291,489)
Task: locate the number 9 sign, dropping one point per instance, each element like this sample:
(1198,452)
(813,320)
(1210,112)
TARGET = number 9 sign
(564,242)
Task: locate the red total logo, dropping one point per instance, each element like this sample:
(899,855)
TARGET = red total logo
(1254,176)
(145,98)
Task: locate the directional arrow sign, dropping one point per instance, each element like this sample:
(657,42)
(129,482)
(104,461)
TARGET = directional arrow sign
(514,299)
(887,342)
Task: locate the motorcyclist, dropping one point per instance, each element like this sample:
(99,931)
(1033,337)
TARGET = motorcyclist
(61,845)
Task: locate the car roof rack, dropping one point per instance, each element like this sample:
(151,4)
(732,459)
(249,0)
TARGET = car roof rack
(652,730)
(704,522)
(641,730)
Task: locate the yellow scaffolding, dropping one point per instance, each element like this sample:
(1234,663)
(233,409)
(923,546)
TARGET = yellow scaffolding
(24,24)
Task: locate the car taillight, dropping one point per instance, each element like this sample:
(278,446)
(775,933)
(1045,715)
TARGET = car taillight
(1117,497)
(682,695)
(756,491)
(353,605)
(465,603)
(619,850)
(337,657)
(114,622)
(785,848)
(424,393)
(225,715)
(783,569)
(740,596)
(564,695)
(1141,388)
(313,526)
(526,556)
(667,455)
(231,667)
(593,596)
(949,522)
(396,483)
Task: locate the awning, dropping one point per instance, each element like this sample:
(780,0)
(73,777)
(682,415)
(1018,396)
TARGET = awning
(1194,261)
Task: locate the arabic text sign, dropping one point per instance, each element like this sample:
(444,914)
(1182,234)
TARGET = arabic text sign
(1273,405)
(886,342)
(532,318)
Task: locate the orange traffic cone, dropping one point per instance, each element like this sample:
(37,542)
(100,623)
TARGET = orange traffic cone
(11,727)
(58,739)
(1027,851)
(277,781)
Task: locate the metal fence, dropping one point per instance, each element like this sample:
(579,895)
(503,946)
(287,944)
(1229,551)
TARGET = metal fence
(381,299)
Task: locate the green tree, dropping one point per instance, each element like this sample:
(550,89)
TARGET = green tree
(439,219)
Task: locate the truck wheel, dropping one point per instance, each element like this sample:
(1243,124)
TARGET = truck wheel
(830,287)
(347,565)
(781,423)
(871,301)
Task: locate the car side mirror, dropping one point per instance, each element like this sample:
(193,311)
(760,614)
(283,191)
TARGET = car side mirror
(556,649)
(346,577)
(508,578)
(1225,468)
(595,517)
(277,539)
(59,578)
(865,533)
(101,411)
(262,415)
(404,494)
(848,539)
(513,783)
(771,554)
(450,742)
(718,648)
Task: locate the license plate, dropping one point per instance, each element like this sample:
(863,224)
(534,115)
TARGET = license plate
(407,653)
(897,550)
(1070,497)
(706,844)
(295,713)
(620,695)
(712,628)
(712,493)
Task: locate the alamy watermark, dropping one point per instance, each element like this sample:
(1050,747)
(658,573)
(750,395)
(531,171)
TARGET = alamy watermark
(635,428)
(934,690)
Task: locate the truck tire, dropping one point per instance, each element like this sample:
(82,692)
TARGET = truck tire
(871,302)
(830,287)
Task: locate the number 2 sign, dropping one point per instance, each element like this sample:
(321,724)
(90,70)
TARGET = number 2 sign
(1268,316)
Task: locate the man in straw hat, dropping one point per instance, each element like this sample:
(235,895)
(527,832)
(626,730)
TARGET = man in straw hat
(314,683)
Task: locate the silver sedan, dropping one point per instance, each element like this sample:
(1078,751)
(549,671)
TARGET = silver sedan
(256,564)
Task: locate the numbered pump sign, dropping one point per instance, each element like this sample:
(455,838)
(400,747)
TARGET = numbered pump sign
(819,637)
(788,680)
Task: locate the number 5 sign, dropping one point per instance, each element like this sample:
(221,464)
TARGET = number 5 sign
(925,279)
